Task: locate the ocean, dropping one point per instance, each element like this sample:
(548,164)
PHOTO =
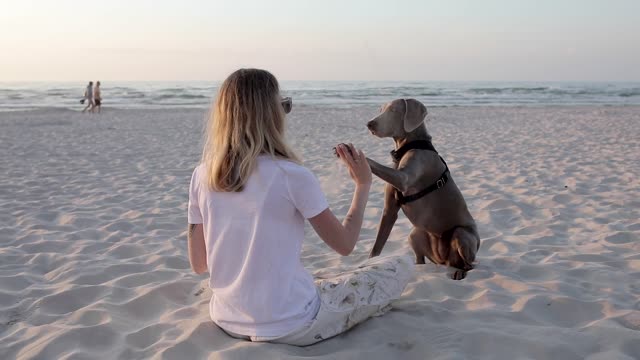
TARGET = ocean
(26,96)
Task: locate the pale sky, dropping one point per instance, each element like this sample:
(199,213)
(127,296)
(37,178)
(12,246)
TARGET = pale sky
(459,40)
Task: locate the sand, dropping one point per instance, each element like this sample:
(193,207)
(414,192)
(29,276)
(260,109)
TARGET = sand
(93,260)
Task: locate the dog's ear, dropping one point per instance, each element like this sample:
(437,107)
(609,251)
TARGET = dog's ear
(414,114)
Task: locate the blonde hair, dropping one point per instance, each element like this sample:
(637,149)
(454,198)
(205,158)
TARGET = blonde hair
(247,120)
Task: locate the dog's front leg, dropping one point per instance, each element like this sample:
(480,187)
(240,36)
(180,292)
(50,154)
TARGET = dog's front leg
(396,178)
(389,217)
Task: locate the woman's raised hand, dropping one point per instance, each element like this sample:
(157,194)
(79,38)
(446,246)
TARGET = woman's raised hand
(356,163)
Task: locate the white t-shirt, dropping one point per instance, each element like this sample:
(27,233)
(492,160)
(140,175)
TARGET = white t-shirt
(253,240)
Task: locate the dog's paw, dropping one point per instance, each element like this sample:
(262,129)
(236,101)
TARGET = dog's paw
(459,274)
(335,150)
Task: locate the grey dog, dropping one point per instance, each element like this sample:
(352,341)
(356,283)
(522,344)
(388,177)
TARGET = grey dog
(420,184)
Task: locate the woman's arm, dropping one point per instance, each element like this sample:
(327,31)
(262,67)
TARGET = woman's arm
(197,248)
(342,237)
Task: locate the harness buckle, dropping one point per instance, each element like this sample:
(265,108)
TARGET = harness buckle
(440,183)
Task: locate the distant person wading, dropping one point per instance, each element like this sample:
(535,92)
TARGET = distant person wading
(97,98)
(88,97)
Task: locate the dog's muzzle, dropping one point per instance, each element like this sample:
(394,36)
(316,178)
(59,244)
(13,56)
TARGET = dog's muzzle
(371,125)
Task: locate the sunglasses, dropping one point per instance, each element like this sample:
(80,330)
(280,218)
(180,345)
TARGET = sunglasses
(287,104)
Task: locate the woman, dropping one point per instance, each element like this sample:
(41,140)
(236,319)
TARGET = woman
(88,97)
(248,200)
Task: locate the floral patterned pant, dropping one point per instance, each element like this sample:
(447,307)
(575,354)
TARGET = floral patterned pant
(351,298)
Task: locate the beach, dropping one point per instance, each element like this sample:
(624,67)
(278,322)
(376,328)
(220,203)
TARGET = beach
(93,259)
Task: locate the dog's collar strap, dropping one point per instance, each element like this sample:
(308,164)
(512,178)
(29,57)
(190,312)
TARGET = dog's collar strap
(439,183)
(418,144)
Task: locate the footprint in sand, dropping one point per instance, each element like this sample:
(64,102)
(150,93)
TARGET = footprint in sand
(621,237)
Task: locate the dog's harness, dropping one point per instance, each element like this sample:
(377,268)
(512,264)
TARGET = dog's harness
(439,183)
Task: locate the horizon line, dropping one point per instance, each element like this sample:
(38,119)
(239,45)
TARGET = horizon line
(328,81)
